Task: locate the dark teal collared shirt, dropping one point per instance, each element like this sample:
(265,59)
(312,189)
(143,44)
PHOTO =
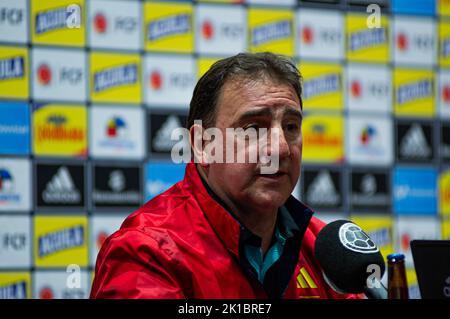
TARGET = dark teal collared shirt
(284,230)
(274,273)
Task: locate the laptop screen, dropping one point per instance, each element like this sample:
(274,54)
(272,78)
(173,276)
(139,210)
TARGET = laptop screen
(432,264)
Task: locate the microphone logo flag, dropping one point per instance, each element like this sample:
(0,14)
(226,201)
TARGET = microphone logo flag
(355,239)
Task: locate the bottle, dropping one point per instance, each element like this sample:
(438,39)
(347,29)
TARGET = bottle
(397,284)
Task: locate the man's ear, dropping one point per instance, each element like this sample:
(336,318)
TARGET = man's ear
(197,144)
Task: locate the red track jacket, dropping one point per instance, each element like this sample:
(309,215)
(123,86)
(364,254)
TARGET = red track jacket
(184,244)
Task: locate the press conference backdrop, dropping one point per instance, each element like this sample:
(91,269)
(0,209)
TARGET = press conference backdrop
(86,116)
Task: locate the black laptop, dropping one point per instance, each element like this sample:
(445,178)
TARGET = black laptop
(432,264)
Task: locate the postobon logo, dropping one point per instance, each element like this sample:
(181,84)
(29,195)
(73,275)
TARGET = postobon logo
(323,138)
(59,130)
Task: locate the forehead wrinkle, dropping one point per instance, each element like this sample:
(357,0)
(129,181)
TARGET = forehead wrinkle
(273,95)
(271,112)
(240,91)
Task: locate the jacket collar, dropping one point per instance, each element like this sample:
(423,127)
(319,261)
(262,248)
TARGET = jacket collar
(224,224)
(226,227)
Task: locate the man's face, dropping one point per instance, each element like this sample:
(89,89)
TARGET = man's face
(261,104)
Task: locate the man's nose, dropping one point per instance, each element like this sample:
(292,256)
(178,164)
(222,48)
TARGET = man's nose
(278,145)
(284,146)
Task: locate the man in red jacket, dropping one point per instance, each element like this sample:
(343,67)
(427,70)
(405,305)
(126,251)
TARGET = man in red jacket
(227,230)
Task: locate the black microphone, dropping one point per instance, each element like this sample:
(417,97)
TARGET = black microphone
(348,257)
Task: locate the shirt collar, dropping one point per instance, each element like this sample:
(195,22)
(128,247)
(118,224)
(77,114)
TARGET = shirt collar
(286,226)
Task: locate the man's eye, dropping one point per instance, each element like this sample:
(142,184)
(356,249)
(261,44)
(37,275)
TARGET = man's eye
(292,127)
(252,126)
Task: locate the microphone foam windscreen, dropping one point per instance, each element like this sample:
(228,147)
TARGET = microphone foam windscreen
(344,252)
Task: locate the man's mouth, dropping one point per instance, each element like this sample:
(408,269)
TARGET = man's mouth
(276,175)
